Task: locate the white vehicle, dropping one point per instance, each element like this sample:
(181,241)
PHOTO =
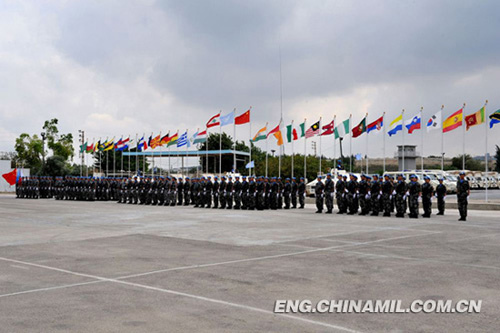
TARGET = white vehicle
(310,186)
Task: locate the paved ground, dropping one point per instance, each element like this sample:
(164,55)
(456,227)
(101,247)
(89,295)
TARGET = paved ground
(493,195)
(104,267)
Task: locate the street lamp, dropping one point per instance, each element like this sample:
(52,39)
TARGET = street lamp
(44,135)
(273,151)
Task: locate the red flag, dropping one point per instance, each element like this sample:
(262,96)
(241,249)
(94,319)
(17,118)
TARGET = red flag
(275,130)
(10,177)
(243,118)
(360,129)
(328,129)
(214,121)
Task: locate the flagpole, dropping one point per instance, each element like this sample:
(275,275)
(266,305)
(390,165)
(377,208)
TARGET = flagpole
(220,148)
(350,143)
(144,158)
(187,146)
(486,151)
(366,118)
(305,155)
(422,135)
(114,158)
(136,154)
(107,159)
(121,167)
(152,156)
(334,147)
(320,146)
(161,152)
(234,141)
(442,139)
(267,154)
(383,125)
(206,153)
(463,137)
(292,146)
(250,141)
(178,155)
(403,138)
(279,156)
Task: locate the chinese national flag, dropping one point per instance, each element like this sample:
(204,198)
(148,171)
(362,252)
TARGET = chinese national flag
(243,118)
(10,177)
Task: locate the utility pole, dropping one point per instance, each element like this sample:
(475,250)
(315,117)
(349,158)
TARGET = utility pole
(44,135)
(81,135)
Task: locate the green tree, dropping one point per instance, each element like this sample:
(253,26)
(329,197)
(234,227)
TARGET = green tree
(225,143)
(470,163)
(61,145)
(56,165)
(109,160)
(29,151)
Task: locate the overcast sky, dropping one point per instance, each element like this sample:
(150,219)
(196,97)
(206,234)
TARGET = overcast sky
(116,68)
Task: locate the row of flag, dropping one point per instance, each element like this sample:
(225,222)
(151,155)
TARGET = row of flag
(452,122)
(293,133)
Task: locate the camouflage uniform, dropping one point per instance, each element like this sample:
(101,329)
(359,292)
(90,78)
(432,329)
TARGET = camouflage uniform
(329,192)
(462,198)
(440,194)
(427,192)
(301,192)
(415,189)
(401,189)
(375,196)
(318,193)
(387,190)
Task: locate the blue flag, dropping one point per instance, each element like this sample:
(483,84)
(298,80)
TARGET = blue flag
(183,140)
(228,119)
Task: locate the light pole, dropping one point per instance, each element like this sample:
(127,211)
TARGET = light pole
(44,135)
(81,135)
(273,151)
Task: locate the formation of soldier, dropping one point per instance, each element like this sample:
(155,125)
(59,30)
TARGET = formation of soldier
(369,196)
(250,193)
(372,196)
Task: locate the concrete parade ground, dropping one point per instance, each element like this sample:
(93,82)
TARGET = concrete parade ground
(108,267)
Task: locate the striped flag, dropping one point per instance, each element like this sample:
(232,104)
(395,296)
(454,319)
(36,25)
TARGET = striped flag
(343,129)
(453,121)
(474,119)
(183,140)
(261,134)
(313,130)
(214,121)
(200,137)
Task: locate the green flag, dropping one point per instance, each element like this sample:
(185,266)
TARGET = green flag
(302,129)
(83,148)
(342,129)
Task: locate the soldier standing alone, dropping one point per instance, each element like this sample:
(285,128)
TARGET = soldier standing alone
(463,191)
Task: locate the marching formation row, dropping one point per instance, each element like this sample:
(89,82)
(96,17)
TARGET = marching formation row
(370,195)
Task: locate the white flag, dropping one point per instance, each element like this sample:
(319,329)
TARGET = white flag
(434,122)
